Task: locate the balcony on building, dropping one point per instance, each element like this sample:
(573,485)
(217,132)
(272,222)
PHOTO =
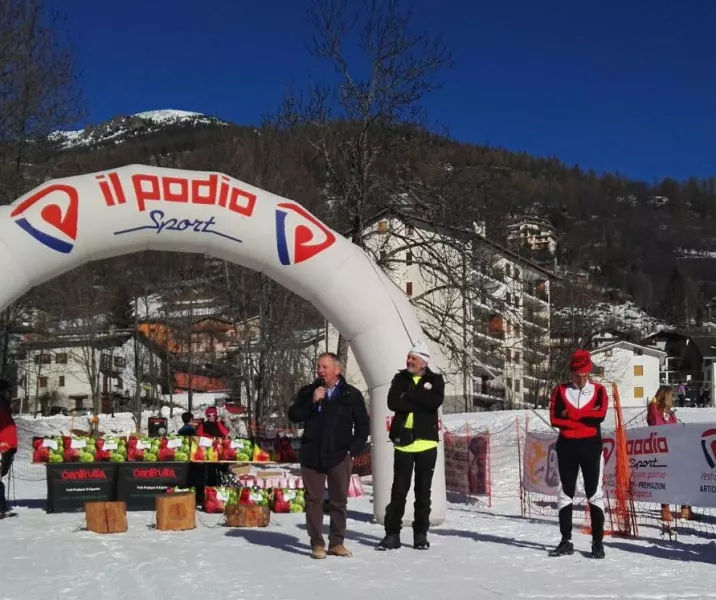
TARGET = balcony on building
(112,366)
(536,293)
(534,319)
(496,327)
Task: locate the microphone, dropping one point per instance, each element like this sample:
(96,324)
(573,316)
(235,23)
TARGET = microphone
(321,383)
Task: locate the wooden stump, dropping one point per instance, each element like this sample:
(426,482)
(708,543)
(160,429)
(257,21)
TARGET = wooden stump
(176,511)
(247,515)
(106,517)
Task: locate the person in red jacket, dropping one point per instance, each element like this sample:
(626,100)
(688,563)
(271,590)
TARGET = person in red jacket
(213,427)
(8,440)
(578,409)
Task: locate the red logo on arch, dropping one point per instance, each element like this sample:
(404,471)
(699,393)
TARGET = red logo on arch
(309,239)
(55,224)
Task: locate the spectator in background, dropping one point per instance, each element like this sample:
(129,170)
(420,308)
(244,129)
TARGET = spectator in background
(213,426)
(661,412)
(704,397)
(681,393)
(188,427)
(8,440)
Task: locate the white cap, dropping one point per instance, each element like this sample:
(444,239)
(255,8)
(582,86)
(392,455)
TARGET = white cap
(420,349)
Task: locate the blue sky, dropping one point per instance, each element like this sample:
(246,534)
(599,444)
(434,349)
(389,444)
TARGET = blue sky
(624,86)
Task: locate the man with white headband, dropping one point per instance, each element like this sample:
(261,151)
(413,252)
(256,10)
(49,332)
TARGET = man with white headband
(415,396)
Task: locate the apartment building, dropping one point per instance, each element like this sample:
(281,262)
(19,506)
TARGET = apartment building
(485,309)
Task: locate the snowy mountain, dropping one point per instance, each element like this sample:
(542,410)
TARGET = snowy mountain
(122,128)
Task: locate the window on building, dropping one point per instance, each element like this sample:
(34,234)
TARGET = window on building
(120,362)
(43,382)
(409,230)
(518,385)
(44,359)
(508,269)
(508,355)
(638,392)
(61,359)
(508,382)
(61,382)
(517,358)
(508,298)
(120,383)
(518,330)
(409,288)
(408,258)
(638,371)
(517,274)
(78,403)
(383,255)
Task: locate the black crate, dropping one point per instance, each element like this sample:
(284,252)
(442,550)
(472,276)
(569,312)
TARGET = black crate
(70,485)
(157,427)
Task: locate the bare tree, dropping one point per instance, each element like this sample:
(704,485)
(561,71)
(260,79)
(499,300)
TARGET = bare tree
(365,115)
(38,92)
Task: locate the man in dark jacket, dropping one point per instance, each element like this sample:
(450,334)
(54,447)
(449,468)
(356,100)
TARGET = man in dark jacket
(415,396)
(335,429)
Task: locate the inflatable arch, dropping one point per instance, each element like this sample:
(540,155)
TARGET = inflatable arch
(65,223)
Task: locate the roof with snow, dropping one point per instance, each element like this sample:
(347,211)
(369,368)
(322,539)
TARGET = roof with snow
(648,350)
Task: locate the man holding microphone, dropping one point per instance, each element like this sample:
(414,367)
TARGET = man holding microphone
(335,429)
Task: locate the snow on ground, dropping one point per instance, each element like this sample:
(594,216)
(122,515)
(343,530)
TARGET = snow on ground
(476,553)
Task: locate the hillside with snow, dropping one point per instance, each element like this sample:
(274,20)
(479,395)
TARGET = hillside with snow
(124,128)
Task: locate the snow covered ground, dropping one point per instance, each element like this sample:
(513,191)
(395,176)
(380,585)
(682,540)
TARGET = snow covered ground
(476,553)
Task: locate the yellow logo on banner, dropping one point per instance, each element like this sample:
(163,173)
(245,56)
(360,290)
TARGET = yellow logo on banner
(535,460)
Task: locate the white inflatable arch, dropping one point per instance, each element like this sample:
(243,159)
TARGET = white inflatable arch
(65,223)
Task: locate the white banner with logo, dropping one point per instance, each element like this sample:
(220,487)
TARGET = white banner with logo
(671,464)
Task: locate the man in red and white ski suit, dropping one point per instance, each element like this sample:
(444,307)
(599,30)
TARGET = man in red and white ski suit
(578,409)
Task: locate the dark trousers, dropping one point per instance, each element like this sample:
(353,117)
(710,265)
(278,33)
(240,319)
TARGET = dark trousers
(403,464)
(573,455)
(5,464)
(314,482)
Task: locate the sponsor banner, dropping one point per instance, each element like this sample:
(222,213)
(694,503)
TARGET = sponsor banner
(70,485)
(466,464)
(670,464)
(539,465)
(138,484)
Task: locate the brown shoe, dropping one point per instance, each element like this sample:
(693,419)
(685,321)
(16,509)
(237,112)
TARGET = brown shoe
(339,550)
(318,552)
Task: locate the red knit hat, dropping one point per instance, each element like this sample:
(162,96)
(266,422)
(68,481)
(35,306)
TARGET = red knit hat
(581,362)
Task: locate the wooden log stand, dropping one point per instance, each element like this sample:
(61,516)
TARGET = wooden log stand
(176,511)
(106,517)
(247,515)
